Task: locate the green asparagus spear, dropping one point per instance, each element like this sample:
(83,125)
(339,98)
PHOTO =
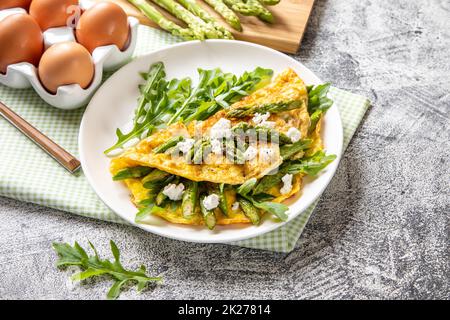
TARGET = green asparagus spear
(198,26)
(160,197)
(168,144)
(245,128)
(263,13)
(233,153)
(315,117)
(190,154)
(251,8)
(199,153)
(223,205)
(196,9)
(129,173)
(208,215)
(153,177)
(268,182)
(189,201)
(153,14)
(230,17)
(248,110)
(269,2)
(250,210)
(289,150)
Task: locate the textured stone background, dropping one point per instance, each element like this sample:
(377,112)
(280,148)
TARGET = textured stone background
(381,229)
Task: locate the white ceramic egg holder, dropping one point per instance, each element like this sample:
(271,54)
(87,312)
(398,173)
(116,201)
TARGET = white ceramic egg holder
(24,75)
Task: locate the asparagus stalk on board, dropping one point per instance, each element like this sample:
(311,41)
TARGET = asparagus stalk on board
(230,17)
(196,9)
(200,28)
(269,2)
(248,110)
(251,8)
(153,14)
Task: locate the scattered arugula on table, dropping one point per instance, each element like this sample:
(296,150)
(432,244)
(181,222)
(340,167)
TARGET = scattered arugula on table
(93,265)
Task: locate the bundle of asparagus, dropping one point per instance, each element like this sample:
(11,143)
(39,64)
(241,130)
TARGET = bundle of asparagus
(200,23)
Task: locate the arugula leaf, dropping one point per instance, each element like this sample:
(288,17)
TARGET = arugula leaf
(310,165)
(144,212)
(218,90)
(246,187)
(94,266)
(318,103)
(158,100)
(289,150)
(275,208)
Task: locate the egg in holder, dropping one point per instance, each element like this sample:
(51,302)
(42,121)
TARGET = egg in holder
(104,58)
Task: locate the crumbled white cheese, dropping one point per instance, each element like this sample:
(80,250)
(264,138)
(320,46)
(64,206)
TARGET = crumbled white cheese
(235,206)
(221,129)
(174,192)
(186,145)
(250,153)
(294,134)
(211,202)
(266,154)
(267,124)
(287,184)
(259,118)
(216,146)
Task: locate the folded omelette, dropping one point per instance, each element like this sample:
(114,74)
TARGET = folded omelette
(194,157)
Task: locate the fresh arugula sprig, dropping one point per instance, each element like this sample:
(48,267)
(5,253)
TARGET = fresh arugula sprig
(318,102)
(93,266)
(159,99)
(310,165)
(277,209)
(217,90)
(163,102)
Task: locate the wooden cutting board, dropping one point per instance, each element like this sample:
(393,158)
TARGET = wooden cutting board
(284,35)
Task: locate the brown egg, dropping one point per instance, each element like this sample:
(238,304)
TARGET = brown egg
(53,13)
(6,4)
(21,40)
(103,24)
(66,63)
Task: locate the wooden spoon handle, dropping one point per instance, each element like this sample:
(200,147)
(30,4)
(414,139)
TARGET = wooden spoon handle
(67,160)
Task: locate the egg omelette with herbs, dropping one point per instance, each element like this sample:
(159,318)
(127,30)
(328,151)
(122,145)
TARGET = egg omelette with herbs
(220,171)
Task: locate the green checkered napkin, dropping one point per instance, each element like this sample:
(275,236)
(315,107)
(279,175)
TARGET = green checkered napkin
(29,174)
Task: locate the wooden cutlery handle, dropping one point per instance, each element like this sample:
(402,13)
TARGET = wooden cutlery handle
(67,160)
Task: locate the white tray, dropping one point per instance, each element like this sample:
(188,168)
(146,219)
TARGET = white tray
(24,75)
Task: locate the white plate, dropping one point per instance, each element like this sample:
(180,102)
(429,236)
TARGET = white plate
(113,104)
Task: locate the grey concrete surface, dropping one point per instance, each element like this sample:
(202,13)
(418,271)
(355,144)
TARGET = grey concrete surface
(381,230)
